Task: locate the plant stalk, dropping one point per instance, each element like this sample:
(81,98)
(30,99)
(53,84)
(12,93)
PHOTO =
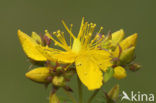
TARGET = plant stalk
(70,96)
(93,96)
(80,90)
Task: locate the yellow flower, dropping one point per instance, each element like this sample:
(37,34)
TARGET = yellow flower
(84,52)
(119,72)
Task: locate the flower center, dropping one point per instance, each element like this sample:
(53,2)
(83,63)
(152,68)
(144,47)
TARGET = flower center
(76,46)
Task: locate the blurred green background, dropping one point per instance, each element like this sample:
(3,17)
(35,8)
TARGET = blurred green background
(37,15)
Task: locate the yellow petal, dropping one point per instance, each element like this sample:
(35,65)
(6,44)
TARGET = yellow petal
(89,73)
(57,55)
(102,58)
(117,37)
(29,47)
(39,74)
(36,37)
(119,72)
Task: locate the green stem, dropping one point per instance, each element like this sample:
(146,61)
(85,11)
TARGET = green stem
(70,96)
(80,91)
(92,96)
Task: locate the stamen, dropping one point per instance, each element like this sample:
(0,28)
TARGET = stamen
(68,29)
(96,44)
(61,38)
(90,32)
(83,32)
(86,32)
(87,38)
(56,42)
(71,26)
(81,28)
(100,30)
(95,38)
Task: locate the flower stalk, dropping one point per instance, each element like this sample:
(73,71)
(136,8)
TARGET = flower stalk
(70,96)
(80,90)
(93,96)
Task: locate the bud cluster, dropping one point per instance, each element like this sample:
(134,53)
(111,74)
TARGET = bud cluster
(123,52)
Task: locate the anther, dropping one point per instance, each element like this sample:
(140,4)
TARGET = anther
(54,32)
(46,31)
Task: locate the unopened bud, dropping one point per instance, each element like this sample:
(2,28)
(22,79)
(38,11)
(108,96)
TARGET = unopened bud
(39,74)
(58,81)
(117,37)
(59,68)
(125,44)
(129,41)
(119,72)
(127,55)
(134,67)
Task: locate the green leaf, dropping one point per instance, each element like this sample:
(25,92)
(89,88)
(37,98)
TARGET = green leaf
(108,74)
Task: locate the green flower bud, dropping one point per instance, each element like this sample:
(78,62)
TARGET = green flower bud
(130,41)
(59,68)
(134,67)
(127,55)
(58,81)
